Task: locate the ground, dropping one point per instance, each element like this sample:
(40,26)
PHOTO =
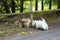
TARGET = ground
(52,34)
(8,31)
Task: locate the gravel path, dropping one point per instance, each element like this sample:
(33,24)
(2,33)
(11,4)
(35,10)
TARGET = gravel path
(52,34)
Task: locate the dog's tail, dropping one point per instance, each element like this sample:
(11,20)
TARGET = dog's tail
(42,19)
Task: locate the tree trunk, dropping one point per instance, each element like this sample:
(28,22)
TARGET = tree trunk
(13,6)
(21,5)
(6,6)
(42,5)
(50,2)
(58,7)
(30,5)
(36,5)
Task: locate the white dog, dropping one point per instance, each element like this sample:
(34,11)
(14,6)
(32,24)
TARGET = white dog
(40,24)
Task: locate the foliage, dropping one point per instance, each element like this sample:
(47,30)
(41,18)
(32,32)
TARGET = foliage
(26,5)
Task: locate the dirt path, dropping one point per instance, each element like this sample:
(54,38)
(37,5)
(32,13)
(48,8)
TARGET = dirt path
(53,34)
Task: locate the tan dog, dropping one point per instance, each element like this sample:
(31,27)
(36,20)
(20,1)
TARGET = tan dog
(26,22)
(18,23)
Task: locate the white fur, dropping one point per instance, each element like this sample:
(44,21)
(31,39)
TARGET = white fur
(40,24)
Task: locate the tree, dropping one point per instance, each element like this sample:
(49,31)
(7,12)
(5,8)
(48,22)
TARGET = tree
(30,5)
(58,4)
(50,2)
(0,7)
(42,5)
(21,5)
(58,7)
(13,6)
(36,5)
(6,6)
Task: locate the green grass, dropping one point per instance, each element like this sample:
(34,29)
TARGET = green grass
(9,30)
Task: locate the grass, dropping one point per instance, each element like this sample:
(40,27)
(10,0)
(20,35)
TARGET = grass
(8,28)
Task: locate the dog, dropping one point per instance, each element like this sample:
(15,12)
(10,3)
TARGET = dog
(26,22)
(40,24)
(18,23)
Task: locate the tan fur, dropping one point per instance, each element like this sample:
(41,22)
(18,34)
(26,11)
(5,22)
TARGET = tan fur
(26,22)
(18,24)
